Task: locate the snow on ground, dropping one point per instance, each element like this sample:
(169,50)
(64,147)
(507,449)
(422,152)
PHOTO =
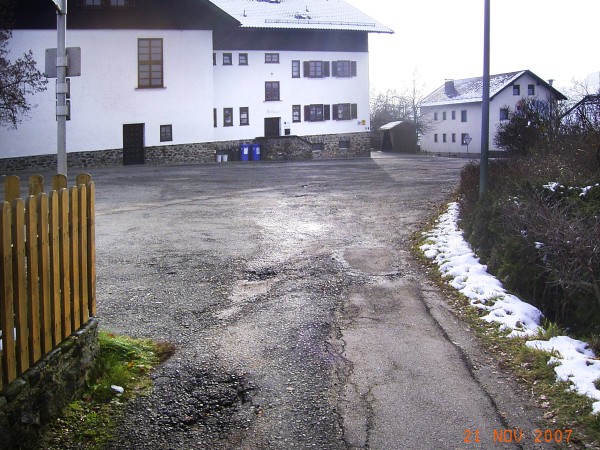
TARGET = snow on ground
(457,263)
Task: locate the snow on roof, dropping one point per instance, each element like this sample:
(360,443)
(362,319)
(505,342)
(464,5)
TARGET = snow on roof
(389,126)
(303,14)
(470,89)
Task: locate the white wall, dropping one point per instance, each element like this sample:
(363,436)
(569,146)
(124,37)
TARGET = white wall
(472,126)
(105,96)
(244,86)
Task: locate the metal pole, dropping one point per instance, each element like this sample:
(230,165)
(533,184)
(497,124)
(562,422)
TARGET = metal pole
(61,91)
(485,107)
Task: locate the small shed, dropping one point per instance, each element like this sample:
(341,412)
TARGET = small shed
(400,136)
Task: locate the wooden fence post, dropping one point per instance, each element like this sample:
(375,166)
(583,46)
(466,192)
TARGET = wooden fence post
(91,242)
(55,265)
(74,257)
(20,284)
(7,324)
(33,291)
(12,188)
(36,185)
(44,234)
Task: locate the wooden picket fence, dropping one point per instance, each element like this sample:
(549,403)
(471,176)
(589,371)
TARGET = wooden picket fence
(47,256)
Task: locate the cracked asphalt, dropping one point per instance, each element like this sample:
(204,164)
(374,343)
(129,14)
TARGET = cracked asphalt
(300,317)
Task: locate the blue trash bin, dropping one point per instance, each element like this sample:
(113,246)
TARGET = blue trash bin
(245,151)
(255,152)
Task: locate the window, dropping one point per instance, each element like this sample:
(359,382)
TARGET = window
(453,137)
(317,113)
(444,115)
(271,91)
(215,117)
(118,3)
(343,68)
(296,69)
(272,58)
(503,113)
(296,113)
(453,115)
(344,145)
(243,59)
(444,137)
(166,133)
(150,63)
(530,89)
(227,117)
(214,59)
(316,69)
(244,116)
(92,2)
(435,116)
(227,59)
(435,138)
(463,115)
(345,111)
(463,138)
(516,89)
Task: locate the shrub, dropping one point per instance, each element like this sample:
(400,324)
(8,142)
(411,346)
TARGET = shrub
(541,238)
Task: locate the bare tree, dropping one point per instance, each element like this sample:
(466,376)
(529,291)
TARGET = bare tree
(393,106)
(19,79)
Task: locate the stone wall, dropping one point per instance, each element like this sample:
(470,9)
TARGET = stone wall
(349,145)
(328,146)
(32,400)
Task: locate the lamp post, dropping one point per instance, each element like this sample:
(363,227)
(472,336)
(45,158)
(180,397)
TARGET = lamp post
(485,104)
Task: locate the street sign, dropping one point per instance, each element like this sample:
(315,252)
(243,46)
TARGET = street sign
(73,62)
(59,5)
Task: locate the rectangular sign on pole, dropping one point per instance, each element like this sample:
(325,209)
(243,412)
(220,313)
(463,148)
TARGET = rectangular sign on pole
(73,62)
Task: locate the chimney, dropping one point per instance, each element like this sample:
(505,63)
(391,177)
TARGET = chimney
(449,88)
(551,81)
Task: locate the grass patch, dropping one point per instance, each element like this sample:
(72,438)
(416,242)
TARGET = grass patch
(89,423)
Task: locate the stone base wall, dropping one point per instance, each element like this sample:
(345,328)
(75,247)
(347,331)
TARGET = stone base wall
(328,146)
(38,396)
(349,145)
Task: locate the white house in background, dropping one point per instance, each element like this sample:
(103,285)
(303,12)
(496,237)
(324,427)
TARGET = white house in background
(171,80)
(454,110)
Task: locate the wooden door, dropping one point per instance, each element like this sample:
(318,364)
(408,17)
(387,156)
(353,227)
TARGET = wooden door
(133,144)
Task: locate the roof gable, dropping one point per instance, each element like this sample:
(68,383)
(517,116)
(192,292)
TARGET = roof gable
(470,90)
(300,14)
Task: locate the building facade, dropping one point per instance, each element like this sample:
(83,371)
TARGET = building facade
(174,81)
(453,112)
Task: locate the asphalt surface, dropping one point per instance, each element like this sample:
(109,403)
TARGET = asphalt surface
(301,319)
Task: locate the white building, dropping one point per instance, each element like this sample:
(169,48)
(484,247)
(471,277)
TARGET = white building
(453,111)
(175,80)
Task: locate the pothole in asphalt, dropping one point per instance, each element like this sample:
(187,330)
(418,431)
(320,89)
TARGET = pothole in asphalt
(201,398)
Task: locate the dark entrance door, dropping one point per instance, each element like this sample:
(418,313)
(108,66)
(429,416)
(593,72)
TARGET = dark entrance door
(272,126)
(133,144)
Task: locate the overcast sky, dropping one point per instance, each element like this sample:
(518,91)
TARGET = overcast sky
(442,39)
